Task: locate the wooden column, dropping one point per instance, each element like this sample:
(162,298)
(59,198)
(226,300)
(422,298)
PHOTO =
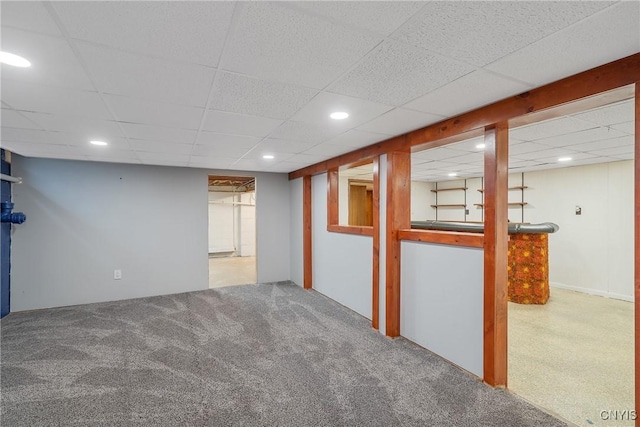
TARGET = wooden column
(637,251)
(496,237)
(332,197)
(398,217)
(375,309)
(306,230)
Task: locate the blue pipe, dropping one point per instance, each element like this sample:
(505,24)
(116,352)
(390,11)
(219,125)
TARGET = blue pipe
(13,217)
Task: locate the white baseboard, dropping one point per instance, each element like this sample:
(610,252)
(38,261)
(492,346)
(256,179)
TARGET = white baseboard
(592,291)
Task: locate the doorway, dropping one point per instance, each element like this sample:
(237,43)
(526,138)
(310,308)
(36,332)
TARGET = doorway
(232,230)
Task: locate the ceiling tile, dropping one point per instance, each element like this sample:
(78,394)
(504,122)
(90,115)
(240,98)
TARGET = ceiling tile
(382,17)
(52,60)
(216,139)
(158,133)
(29,148)
(187,31)
(91,128)
(304,132)
(286,167)
(254,164)
(528,147)
(469,158)
(28,135)
(160,147)
(614,151)
(360,111)
(71,139)
(437,154)
(468,31)
(140,111)
(239,124)
(357,138)
(28,15)
(453,98)
(306,159)
(395,73)
(610,114)
(53,100)
(235,93)
(575,140)
(602,144)
(14,119)
(549,128)
(273,43)
(219,150)
(163,158)
(626,127)
(604,37)
(121,73)
(624,156)
(330,150)
(399,121)
(543,154)
(278,147)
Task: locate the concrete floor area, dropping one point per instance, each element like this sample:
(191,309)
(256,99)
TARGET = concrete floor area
(574,356)
(230,271)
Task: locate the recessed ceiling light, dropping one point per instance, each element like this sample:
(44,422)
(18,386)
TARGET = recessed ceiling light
(12,59)
(268,157)
(98,143)
(565,159)
(480,146)
(453,174)
(339,115)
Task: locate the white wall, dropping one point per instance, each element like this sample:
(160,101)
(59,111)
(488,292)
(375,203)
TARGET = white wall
(221,222)
(421,200)
(85,219)
(592,252)
(342,263)
(296,232)
(247,224)
(442,301)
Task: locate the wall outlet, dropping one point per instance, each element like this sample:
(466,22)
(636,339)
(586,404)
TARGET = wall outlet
(117,274)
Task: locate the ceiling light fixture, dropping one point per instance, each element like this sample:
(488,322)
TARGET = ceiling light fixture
(565,159)
(481,146)
(339,115)
(101,143)
(453,174)
(12,59)
(268,157)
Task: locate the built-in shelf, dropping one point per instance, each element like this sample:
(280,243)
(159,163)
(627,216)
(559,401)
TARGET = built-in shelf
(510,204)
(457,205)
(437,190)
(520,187)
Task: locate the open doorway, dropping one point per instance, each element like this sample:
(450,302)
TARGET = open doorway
(232,231)
(571,345)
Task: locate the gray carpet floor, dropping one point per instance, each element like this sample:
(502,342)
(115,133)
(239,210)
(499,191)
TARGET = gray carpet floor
(255,355)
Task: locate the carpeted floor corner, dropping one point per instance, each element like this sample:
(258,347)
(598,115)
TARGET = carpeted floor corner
(255,355)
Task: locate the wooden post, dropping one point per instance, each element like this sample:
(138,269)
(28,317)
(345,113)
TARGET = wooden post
(307,233)
(375,309)
(398,217)
(496,237)
(332,197)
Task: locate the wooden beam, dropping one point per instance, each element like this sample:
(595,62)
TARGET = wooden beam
(307,232)
(375,309)
(496,238)
(471,240)
(332,197)
(362,230)
(607,77)
(637,249)
(398,217)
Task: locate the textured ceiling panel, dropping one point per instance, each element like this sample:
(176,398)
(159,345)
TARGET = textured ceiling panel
(317,111)
(378,17)
(357,138)
(475,32)
(52,60)
(157,133)
(239,124)
(159,147)
(245,95)
(122,73)
(305,132)
(550,128)
(453,98)
(580,137)
(610,114)
(216,139)
(399,121)
(278,147)
(144,112)
(90,128)
(28,15)
(52,100)
(187,31)
(13,119)
(278,43)
(607,36)
(395,73)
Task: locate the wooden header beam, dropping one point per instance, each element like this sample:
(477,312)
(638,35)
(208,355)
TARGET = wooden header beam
(606,77)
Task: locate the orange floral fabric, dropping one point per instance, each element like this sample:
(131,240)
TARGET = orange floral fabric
(528,268)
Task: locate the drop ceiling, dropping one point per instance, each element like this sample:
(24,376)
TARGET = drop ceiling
(220,84)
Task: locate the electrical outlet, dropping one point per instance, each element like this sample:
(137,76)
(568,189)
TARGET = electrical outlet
(117,274)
